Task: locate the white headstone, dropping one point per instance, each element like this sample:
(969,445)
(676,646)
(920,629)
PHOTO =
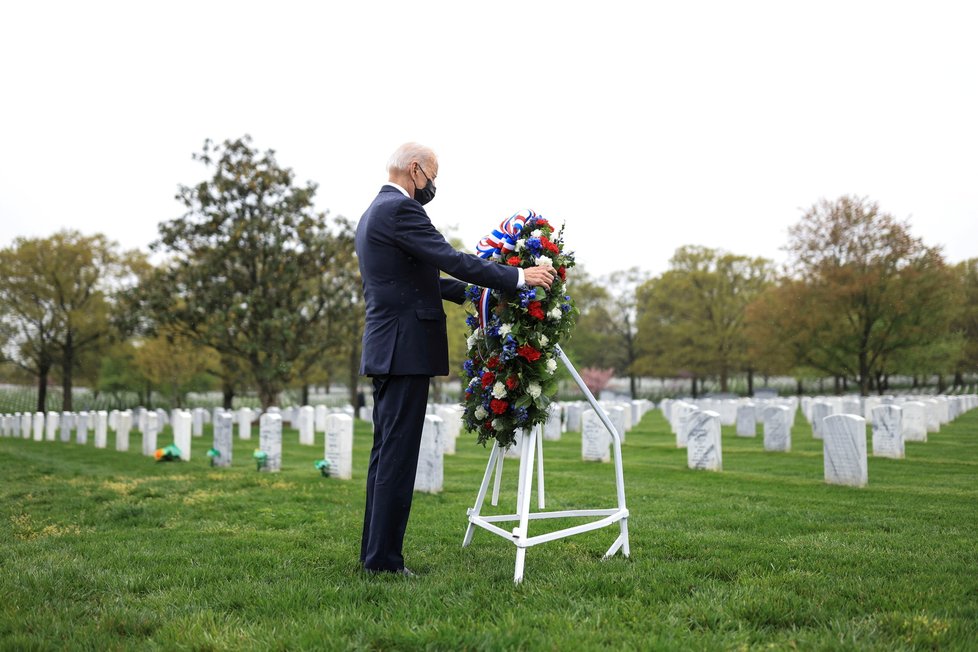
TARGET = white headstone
(81,428)
(852,406)
(52,421)
(844,447)
(223,439)
(553,425)
(114,419)
(777,430)
(122,431)
(746,420)
(574,412)
(451,418)
(820,410)
(151,432)
(270,441)
(703,441)
(914,421)
(245,416)
(182,422)
(616,414)
(680,415)
(728,412)
(595,438)
(27,424)
(307,424)
(932,414)
(430,476)
(38,426)
(199,414)
(887,431)
(321,412)
(339,445)
(514,450)
(101,429)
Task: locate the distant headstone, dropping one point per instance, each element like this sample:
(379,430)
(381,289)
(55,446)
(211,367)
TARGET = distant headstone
(844,447)
(430,476)
(321,412)
(101,429)
(514,450)
(595,438)
(728,412)
(27,424)
(223,439)
(932,414)
(52,420)
(887,431)
(182,422)
(914,421)
(151,432)
(199,414)
(820,410)
(703,441)
(451,418)
(746,420)
(123,428)
(680,415)
(67,423)
(777,429)
(852,406)
(574,412)
(307,424)
(270,441)
(245,416)
(616,414)
(38,424)
(366,414)
(81,428)
(553,426)
(339,445)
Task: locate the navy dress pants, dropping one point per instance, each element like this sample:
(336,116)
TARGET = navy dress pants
(400,403)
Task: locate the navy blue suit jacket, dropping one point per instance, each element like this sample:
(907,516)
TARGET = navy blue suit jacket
(400,254)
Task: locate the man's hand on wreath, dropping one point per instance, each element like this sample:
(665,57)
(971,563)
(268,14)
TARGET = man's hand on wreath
(540,275)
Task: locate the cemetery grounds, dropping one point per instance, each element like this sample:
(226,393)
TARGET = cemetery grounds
(105,550)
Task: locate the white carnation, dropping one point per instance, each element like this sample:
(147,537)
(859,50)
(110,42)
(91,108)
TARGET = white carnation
(534,389)
(520,244)
(480,413)
(474,338)
(536,233)
(551,366)
(505,330)
(556,313)
(543,260)
(499,390)
(544,340)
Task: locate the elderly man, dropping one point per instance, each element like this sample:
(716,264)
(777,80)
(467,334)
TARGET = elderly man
(404,340)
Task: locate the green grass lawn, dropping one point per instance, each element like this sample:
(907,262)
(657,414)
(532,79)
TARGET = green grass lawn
(102,550)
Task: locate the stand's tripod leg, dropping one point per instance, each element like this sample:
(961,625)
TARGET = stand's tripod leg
(477,509)
(499,477)
(541,501)
(523,509)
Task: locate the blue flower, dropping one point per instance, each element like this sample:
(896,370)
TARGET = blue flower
(472,321)
(472,293)
(526,296)
(522,415)
(533,246)
(565,307)
(469,370)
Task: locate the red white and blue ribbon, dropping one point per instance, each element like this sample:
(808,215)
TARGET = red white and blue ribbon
(503,239)
(498,243)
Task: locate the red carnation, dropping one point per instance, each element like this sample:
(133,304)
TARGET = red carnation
(513,260)
(542,222)
(562,273)
(549,246)
(498,407)
(488,379)
(493,362)
(487,425)
(512,382)
(528,352)
(535,310)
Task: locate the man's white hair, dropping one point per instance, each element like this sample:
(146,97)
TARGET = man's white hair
(409,153)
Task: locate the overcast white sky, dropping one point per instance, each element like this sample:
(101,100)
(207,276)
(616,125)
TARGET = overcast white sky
(643,125)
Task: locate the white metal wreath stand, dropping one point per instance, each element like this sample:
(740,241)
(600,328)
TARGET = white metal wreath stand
(531,443)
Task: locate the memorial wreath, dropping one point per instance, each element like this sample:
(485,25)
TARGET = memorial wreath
(511,363)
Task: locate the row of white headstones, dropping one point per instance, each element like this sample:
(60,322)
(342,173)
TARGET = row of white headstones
(188,424)
(442,427)
(840,422)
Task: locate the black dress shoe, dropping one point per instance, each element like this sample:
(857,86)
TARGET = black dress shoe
(405,571)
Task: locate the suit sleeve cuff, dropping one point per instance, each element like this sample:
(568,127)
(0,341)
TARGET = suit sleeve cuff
(522,279)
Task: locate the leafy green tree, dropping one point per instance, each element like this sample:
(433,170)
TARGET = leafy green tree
(57,294)
(864,295)
(252,271)
(692,318)
(966,320)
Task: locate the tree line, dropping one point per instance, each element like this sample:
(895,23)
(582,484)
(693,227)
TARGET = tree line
(251,289)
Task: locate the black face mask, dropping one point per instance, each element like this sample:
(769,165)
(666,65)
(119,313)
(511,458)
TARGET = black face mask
(426,194)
